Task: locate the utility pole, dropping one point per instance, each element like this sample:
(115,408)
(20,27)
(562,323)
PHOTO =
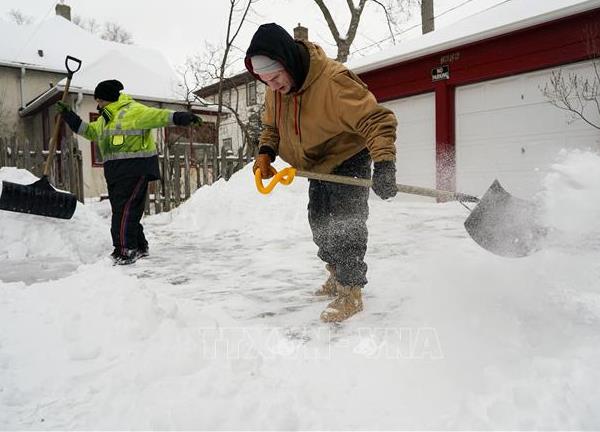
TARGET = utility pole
(427,18)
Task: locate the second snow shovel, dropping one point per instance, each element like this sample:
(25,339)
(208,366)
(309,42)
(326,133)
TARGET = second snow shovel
(40,198)
(499,223)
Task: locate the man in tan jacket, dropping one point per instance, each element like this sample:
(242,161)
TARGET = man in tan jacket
(320,117)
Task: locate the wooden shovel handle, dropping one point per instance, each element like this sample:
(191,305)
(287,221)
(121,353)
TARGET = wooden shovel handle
(413,190)
(286,176)
(56,132)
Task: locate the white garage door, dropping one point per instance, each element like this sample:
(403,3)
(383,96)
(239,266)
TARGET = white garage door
(415,143)
(506,129)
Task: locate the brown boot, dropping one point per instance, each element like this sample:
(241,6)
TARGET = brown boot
(329,288)
(347,303)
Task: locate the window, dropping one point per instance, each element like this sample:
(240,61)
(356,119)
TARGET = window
(227,97)
(95,150)
(251,93)
(227,146)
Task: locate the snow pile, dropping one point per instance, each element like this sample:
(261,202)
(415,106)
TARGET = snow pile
(236,205)
(85,340)
(218,329)
(81,239)
(571,200)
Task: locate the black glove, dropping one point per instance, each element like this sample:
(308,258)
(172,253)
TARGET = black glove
(62,107)
(384,179)
(185,118)
(70,118)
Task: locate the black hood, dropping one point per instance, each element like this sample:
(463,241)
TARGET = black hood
(273,41)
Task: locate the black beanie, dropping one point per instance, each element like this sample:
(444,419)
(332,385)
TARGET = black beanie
(108,90)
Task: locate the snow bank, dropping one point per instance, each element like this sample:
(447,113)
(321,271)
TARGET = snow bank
(217,329)
(85,340)
(571,200)
(82,239)
(236,205)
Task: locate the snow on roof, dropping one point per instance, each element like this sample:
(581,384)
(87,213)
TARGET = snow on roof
(56,37)
(14,33)
(143,71)
(506,17)
(141,75)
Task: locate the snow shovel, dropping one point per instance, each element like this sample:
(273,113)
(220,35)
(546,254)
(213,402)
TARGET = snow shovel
(40,198)
(499,223)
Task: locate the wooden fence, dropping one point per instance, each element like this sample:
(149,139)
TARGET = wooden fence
(184,169)
(66,171)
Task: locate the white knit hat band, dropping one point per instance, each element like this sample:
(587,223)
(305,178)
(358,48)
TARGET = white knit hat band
(262,64)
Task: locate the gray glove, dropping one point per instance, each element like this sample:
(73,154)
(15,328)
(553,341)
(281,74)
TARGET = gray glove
(384,179)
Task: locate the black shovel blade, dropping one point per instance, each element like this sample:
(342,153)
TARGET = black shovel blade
(38,198)
(505,225)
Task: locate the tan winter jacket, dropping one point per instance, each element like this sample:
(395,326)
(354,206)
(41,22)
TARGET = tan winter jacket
(330,119)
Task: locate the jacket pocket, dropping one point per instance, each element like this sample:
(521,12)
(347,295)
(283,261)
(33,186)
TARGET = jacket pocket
(118,140)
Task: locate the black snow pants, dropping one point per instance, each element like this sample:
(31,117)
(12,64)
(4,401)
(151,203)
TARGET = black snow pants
(127,200)
(338,214)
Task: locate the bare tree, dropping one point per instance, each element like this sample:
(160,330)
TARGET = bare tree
(251,127)
(116,33)
(392,9)
(89,24)
(109,31)
(577,94)
(238,11)
(202,70)
(19,17)
(216,65)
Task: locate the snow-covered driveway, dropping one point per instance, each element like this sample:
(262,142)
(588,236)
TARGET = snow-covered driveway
(217,329)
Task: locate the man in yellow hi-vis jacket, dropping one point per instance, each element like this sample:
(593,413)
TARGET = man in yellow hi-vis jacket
(128,149)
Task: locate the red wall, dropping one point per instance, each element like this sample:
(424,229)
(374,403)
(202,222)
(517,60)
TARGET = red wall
(551,44)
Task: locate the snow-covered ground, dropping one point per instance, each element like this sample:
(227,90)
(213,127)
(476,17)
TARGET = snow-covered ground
(218,329)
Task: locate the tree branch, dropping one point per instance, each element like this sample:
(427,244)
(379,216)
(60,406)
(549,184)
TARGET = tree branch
(329,19)
(389,19)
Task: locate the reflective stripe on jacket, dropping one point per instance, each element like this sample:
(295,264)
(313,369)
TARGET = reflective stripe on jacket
(127,134)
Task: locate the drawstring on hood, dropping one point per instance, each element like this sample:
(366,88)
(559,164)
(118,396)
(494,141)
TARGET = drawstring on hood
(297,111)
(297,107)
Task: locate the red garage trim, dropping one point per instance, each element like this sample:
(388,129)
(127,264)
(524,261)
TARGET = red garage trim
(547,45)
(445,153)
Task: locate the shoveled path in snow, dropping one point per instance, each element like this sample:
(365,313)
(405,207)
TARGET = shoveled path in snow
(272,281)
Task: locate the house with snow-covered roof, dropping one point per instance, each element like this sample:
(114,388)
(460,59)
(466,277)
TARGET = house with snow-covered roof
(469,98)
(33,77)
(243,98)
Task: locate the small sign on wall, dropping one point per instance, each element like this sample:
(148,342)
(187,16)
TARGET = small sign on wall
(440,73)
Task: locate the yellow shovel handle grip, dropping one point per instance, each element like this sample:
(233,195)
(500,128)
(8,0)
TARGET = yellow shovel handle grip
(285,176)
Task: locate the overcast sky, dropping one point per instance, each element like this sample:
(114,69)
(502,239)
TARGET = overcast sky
(181,28)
